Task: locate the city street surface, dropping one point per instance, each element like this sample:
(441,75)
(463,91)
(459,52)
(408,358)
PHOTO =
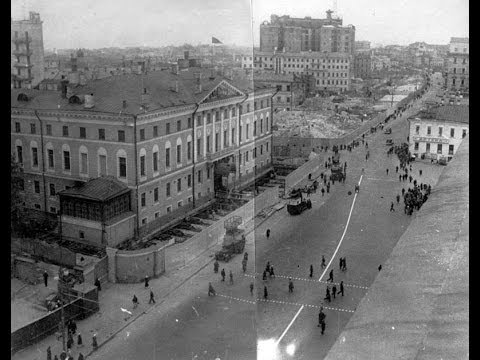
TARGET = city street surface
(191,325)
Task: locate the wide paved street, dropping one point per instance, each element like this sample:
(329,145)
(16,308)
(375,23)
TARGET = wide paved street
(360,228)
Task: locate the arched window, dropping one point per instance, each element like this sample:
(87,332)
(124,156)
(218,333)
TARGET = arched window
(142,162)
(102,162)
(179,151)
(34,154)
(19,151)
(74,100)
(66,158)
(155,158)
(83,157)
(122,164)
(167,154)
(50,156)
(189,147)
(22,97)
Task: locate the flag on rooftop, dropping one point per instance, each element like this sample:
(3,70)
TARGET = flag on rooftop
(216,41)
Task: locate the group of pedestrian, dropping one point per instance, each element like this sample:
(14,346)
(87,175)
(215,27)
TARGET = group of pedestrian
(67,355)
(268,270)
(333,292)
(415,197)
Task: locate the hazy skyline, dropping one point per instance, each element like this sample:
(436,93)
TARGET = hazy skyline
(107,23)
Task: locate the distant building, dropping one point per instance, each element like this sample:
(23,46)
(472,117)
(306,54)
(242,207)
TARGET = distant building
(331,71)
(437,133)
(174,138)
(27,68)
(292,89)
(362,65)
(457,71)
(362,46)
(284,33)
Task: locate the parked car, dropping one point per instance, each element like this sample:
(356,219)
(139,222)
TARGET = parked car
(388,131)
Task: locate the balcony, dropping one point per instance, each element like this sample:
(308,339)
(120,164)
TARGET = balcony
(22,52)
(22,40)
(219,154)
(22,65)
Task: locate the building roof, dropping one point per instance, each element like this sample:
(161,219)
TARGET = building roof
(450,113)
(109,93)
(99,189)
(458,40)
(304,54)
(396,98)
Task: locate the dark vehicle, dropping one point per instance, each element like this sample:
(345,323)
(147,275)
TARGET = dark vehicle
(442,161)
(337,169)
(388,131)
(298,204)
(389,142)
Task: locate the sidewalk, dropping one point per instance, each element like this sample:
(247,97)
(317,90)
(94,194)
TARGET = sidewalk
(111,319)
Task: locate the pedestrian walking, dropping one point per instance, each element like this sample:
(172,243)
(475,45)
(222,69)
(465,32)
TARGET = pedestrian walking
(410,178)
(311,270)
(323,262)
(267,268)
(146,281)
(268,233)
(327,295)
(396,169)
(341,288)
(231,277)
(264,275)
(49,353)
(69,341)
(330,276)
(272,273)
(321,320)
(211,290)
(420,172)
(387,171)
(323,191)
(98,284)
(334,291)
(290,285)
(265,293)
(79,340)
(379,267)
(244,266)
(403,192)
(251,288)
(94,342)
(340,263)
(45,278)
(344,263)
(215,266)
(152,297)
(135,301)
(391,207)
(398,198)
(223,274)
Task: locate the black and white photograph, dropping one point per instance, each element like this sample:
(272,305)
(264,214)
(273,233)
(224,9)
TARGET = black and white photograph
(239,180)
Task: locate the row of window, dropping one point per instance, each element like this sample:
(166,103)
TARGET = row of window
(440,131)
(329,61)
(439,148)
(334,82)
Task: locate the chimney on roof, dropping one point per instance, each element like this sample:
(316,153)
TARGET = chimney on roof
(63,87)
(145,97)
(89,102)
(198,84)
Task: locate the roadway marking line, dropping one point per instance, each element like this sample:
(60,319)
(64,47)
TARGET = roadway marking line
(310,280)
(375,179)
(329,263)
(285,303)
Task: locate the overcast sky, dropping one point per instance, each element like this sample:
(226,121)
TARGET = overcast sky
(106,23)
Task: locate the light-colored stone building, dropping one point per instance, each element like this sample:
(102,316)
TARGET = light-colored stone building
(173,137)
(457,67)
(437,133)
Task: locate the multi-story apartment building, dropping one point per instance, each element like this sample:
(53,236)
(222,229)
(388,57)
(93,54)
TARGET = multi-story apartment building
(27,67)
(437,132)
(362,65)
(331,71)
(457,65)
(173,137)
(362,46)
(291,89)
(284,33)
